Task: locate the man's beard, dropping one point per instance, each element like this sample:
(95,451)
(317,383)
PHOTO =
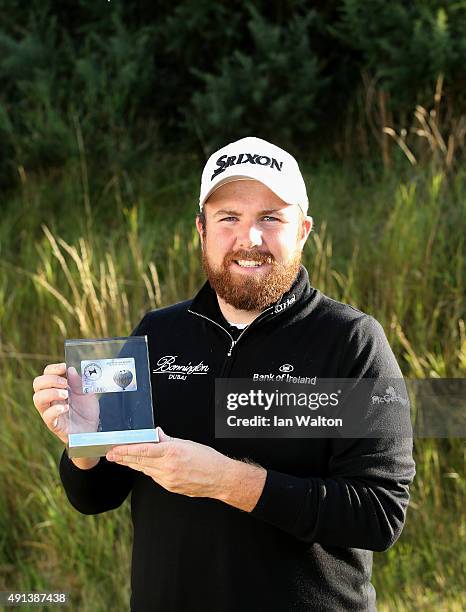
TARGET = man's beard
(248,291)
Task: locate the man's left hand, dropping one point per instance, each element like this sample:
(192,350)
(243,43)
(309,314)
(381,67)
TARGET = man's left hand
(193,469)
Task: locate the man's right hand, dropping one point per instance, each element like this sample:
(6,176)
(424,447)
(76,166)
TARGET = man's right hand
(51,391)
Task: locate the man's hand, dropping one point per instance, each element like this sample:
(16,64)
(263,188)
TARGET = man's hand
(52,392)
(195,470)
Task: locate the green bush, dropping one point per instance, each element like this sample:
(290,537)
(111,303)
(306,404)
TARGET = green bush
(115,79)
(57,91)
(271,92)
(406,45)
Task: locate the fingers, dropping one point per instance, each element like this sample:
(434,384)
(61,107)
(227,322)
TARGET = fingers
(49,381)
(50,396)
(55,368)
(52,385)
(75,381)
(43,399)
(143,449)
(163,437)
(52,417)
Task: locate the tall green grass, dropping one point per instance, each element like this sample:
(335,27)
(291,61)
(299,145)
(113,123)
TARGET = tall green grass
(84,256)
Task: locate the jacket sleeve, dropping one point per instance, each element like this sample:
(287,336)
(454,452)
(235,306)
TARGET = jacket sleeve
(103,487)
(362,501)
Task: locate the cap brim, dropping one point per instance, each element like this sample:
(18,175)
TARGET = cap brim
(242,177)
(228,179)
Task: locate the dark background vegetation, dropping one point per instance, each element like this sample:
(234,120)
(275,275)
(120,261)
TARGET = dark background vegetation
(128,78)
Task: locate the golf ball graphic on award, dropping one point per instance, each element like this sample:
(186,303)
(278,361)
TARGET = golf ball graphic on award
(123,378)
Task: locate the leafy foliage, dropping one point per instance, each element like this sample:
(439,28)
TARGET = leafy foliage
(113,80)
(258,92)
(406,45)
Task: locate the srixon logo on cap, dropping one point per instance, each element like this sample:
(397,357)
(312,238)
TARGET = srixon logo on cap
(225,161)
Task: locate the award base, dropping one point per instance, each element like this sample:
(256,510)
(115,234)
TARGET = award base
(97,444)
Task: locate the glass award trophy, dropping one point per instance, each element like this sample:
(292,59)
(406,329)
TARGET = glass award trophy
(109,394)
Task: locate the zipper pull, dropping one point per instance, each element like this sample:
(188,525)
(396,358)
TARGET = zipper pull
(231,348)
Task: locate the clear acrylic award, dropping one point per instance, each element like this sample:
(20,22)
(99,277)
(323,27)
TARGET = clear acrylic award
(109,394)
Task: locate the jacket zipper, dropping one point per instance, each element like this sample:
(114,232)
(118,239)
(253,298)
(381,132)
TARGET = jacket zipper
(233,342)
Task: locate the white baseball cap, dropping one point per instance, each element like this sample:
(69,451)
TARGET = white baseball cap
(254,158)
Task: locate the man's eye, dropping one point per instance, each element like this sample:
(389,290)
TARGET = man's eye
(228,219)
(271,218)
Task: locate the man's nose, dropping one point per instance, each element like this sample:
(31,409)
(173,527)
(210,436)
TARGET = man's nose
(249,237)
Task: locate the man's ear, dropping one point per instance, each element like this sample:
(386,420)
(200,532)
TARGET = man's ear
(306,228)
(200,230)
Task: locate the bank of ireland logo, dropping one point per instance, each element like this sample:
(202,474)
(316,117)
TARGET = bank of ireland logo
(93,371)
(286,377)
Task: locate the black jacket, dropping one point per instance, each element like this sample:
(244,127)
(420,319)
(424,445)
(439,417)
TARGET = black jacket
(327,503)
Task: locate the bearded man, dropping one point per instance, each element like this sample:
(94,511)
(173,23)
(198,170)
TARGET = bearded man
(228,524)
